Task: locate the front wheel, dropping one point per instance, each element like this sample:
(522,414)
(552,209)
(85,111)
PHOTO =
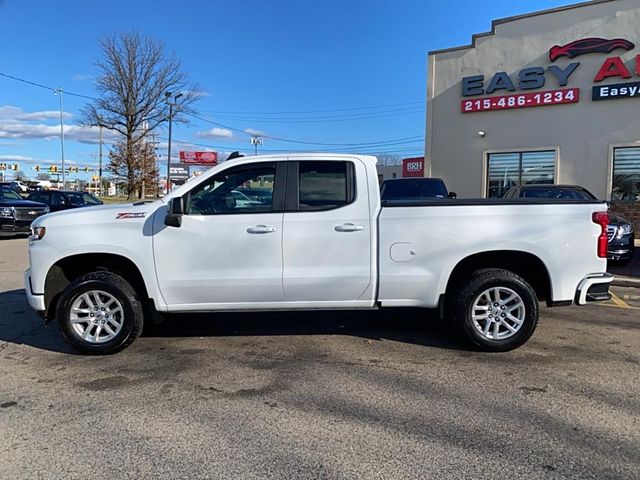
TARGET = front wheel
(100,313)
(496,310)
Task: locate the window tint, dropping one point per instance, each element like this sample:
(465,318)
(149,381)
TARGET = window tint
(80,199)
(6,194)
(626,174)
(324,185)
(408,189)
(226,193)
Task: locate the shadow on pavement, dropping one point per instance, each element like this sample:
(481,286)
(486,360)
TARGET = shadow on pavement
(20,325)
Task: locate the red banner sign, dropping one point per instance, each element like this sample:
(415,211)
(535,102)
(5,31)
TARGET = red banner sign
(200,158)
(521,100)
(413,167)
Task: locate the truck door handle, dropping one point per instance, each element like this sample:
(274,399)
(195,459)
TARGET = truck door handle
(261,229)
(349,227)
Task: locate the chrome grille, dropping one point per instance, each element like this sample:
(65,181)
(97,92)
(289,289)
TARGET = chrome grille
(611,232)
(27,214)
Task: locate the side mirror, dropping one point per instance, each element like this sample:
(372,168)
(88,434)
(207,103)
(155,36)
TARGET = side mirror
(452,195)
(175,210)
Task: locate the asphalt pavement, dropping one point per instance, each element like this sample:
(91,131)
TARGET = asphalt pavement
(388,394)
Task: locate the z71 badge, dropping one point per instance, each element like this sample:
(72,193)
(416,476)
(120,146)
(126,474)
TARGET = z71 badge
(120,216)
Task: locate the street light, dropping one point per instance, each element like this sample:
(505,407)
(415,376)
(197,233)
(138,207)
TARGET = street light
(58,91)
(255,141)
(168,96)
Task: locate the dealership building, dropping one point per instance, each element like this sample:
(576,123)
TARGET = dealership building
(548,97)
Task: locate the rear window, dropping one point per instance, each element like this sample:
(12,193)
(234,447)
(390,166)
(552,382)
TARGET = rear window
(560,193)
(413,189)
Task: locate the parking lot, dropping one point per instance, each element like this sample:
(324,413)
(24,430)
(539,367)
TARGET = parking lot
(388,394)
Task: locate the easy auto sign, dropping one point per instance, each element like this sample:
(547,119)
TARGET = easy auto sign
(522,89)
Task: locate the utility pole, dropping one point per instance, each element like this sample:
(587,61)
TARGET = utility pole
(168,96)
(58,91)
(255,141)
(100,165)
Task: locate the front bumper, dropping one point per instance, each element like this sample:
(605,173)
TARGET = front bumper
(11,228)
(621,248)
(594,288)
(35,301)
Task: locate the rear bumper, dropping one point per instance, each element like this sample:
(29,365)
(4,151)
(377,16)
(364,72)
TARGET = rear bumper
(35,301)
(594,288)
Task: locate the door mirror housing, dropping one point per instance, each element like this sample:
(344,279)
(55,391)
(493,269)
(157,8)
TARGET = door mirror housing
(175,211)
(452,195)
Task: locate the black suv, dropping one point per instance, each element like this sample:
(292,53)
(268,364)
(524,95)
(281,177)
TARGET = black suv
(16,213)
(414,189)
(62,200)
(619,231)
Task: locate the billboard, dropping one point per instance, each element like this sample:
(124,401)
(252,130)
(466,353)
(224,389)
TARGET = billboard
(199,158)
(413,167)
(179,173)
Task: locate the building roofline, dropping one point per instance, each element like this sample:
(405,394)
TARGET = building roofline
(500,21)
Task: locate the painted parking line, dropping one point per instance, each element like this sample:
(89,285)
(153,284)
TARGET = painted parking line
(616,302)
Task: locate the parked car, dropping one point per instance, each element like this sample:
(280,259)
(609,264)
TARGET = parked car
(15,185)
(16,213)
(412,189)
(63,200)
(324,241)
(262,195)
(619,231)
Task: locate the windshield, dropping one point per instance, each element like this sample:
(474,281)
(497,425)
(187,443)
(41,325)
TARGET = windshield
(419,188)
(82,198)
(6,194)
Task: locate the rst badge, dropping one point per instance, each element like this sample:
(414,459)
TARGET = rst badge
(124,215)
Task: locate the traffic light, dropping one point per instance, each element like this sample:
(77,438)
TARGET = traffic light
(37,168)
(86,169)
(14,167)
(74,169)
(3,166)
(53,169)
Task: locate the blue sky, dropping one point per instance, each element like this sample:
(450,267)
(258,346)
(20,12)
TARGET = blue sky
(358,66)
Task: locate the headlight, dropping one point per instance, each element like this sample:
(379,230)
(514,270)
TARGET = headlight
(6,212)
(625,229)
(37,233)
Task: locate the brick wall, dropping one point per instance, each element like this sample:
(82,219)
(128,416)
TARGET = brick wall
(630,211)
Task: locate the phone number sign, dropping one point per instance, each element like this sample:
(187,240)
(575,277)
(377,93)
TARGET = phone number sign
(521,100)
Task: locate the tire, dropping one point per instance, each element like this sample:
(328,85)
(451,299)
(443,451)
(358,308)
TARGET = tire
(475,316)
(99,313)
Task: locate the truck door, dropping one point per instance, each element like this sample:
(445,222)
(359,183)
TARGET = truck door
(327,239)
(228,251)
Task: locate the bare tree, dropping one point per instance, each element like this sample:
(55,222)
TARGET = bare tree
(387,159)
(135,75)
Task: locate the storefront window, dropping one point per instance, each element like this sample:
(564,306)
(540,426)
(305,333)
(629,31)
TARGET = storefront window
(506,170)
(626,174)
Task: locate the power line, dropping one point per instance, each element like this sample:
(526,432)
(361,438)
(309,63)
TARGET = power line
(52,89)
(318,111)
(234,129)
(328,119)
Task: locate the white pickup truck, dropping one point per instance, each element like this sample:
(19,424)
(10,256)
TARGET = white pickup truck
(313,235)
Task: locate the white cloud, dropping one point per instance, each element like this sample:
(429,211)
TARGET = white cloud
(32,161)
(79,77)
(252,131)
(215,132)
(9,113)
(89,135)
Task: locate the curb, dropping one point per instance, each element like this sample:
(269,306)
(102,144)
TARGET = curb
(622,281)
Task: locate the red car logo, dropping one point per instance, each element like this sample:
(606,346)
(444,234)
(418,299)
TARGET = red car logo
(588,45)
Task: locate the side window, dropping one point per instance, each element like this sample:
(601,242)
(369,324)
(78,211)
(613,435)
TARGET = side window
(325,185)
(244,189)
(58,199)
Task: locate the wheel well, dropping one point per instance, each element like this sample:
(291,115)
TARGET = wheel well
(65,271)
(526,265)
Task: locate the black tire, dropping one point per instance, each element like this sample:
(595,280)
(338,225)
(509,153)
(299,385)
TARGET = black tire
(480,282)
(115,286)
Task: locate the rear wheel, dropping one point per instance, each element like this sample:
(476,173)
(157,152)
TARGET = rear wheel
(496,310)
(100,313)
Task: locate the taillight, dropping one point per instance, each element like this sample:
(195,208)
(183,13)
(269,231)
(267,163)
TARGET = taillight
(602,219)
